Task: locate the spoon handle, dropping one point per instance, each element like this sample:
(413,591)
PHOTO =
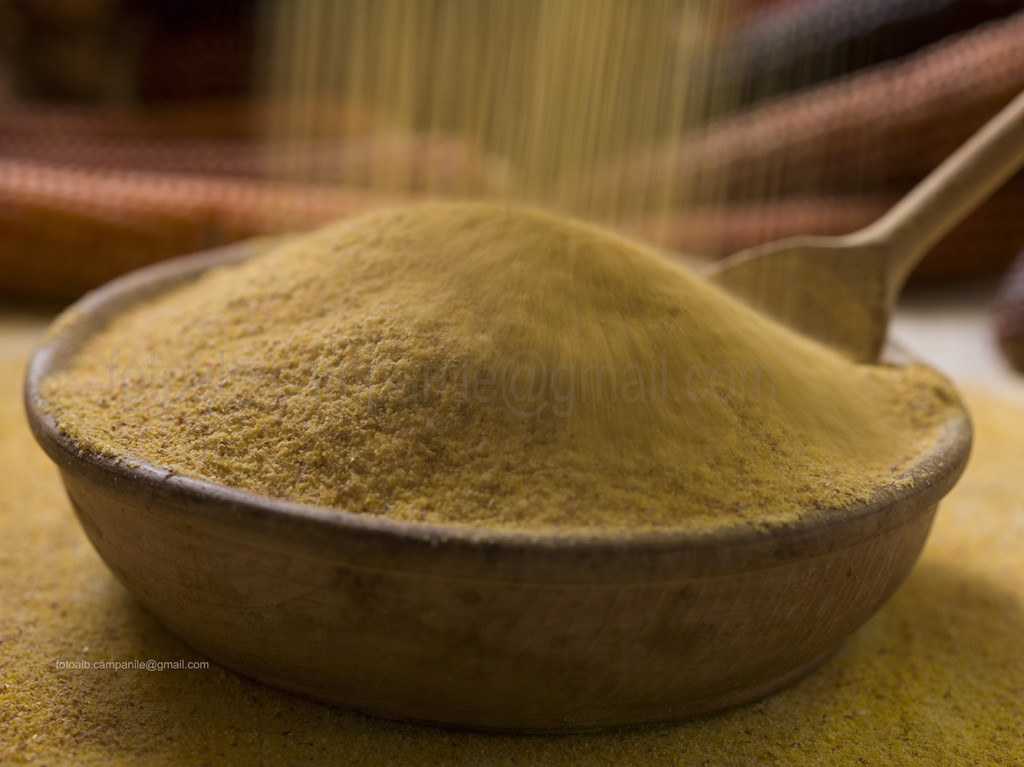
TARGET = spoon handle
(949,193)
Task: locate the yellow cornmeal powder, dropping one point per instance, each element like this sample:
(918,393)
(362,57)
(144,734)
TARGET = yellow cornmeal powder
(491,365)
(935,678)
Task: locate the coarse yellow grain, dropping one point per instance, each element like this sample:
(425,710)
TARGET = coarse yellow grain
(492,365)
(934,678)
(548,90)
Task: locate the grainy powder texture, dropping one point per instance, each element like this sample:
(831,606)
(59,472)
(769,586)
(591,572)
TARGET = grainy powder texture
(497,366)
(935,678)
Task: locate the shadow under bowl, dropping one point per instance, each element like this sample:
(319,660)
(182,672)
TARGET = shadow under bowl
(487,629)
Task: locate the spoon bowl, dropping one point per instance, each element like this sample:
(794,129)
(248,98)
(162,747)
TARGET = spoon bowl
(842,290)
(479,628)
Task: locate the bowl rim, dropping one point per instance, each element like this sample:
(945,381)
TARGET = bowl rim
(323,532)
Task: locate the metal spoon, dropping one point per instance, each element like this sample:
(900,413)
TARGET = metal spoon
(842,290)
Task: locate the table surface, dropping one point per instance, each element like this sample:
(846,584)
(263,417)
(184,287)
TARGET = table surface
(949,327)
(936,677)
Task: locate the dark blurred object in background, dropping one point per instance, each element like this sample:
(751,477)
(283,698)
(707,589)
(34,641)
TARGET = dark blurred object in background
(787,45)
(126,51)
(1008,314)
(69,50)
(194,49)
(133,130)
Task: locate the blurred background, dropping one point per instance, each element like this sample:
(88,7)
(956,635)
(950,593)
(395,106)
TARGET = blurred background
(136,130)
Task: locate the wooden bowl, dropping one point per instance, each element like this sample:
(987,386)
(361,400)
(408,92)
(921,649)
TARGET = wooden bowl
(481,628)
